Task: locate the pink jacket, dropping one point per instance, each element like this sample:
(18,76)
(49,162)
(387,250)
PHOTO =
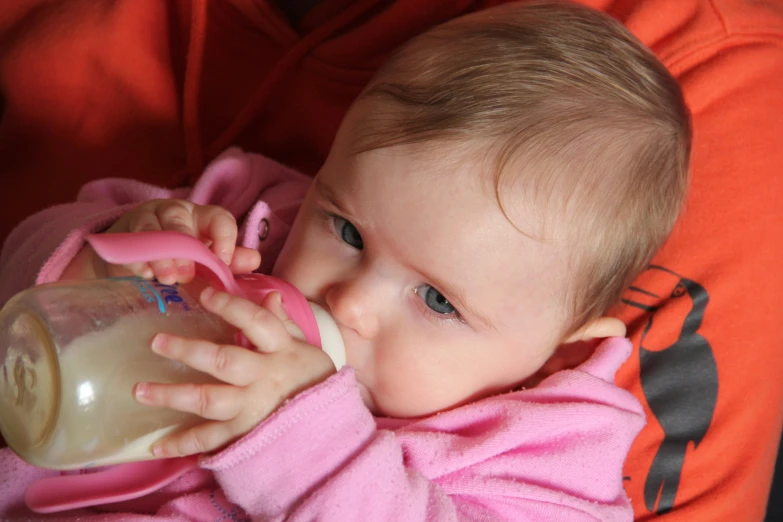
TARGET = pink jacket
(554,452)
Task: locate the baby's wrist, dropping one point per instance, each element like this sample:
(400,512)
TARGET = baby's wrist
(85,265)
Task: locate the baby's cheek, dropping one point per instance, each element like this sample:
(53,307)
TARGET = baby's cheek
(404,374)
(409,391)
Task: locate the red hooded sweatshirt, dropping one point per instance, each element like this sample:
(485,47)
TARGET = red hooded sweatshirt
(152,90)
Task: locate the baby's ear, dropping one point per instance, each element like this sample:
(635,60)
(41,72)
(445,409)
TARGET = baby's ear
(577,348)
(567,356)
(600,328)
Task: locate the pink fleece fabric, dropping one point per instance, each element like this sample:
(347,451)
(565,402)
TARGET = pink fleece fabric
(554,452)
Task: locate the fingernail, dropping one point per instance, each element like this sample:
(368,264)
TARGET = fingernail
(207,293)
(147,273)
(168,274)
(141,391)
(184,268)
(280,309)
(159,342)
(225,256)
(157,450)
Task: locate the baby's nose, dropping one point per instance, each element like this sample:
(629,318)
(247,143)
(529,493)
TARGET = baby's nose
(354,305)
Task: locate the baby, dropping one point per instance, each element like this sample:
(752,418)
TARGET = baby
(487,198)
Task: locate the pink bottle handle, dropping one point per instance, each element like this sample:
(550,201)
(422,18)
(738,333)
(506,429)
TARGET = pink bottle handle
(131,480)
(141,247)
(113,484)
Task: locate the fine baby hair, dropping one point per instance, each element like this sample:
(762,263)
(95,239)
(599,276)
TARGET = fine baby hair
(576,118)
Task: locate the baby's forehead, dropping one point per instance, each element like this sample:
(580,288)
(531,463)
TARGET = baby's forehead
(525,191)
(433,208)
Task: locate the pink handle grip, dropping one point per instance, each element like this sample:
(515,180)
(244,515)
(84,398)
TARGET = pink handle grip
(141,247)
(113,484)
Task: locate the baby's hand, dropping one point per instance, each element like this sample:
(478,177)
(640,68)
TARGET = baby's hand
(254,383)
(213,225)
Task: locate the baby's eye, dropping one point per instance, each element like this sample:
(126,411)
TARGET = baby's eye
(435,300)
(348,233)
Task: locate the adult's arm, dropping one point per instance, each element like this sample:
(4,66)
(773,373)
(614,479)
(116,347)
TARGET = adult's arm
(706,318)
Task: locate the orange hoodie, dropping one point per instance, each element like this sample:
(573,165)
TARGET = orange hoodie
(152,90)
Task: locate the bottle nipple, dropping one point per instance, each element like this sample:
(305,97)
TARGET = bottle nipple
(331,340)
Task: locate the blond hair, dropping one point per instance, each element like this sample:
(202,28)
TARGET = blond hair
(582,116)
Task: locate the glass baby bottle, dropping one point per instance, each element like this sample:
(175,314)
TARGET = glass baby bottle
(72,351)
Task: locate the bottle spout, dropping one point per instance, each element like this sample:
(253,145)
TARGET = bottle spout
(331,339)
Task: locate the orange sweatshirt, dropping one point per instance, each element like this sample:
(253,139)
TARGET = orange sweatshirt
(152,90)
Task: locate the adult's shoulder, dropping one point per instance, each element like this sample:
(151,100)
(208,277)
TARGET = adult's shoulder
(685,33)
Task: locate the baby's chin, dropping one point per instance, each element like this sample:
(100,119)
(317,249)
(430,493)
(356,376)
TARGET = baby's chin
(390,412)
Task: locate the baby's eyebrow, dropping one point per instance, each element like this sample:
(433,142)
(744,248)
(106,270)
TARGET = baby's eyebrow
(328,194)
(456,296)
(342,206)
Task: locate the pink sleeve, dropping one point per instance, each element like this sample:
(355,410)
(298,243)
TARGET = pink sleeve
(38,250)
(551,453)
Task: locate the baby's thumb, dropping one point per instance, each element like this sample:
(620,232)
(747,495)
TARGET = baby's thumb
(245,260)
(274,303)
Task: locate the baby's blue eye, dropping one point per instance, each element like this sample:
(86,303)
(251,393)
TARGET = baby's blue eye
(348,233)
(435,300)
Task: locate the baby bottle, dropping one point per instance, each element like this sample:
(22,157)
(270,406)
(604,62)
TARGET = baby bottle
(71,352)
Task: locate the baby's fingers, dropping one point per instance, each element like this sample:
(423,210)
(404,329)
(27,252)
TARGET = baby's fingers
(245,260)
(170,271)
(262,327)
(142,270)
(230,364)
(199,439)
(219,226)
(152,216)
(210,401)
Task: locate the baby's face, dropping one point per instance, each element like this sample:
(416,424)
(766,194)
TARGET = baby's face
(439,298)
